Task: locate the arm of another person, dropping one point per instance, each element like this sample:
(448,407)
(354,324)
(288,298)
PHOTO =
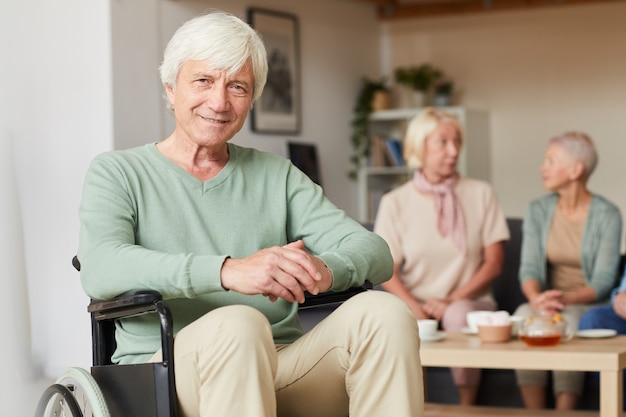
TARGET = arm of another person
(548,301)
(618,298)
(493,258)
(493,233)
(396,287)
(607,231)
(533,258)
(490,269)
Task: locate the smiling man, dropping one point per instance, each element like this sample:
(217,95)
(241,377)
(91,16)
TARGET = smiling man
(183,216)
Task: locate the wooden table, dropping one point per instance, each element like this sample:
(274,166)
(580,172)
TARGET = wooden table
(606,356)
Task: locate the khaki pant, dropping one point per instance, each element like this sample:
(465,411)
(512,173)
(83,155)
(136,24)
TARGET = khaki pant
(361,361)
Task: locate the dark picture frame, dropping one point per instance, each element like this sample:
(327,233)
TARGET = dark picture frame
(277,111)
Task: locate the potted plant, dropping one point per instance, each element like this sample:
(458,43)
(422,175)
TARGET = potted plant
(443,93)
(360,123)
(419,79)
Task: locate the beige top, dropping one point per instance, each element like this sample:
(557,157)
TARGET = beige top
(432,267)
(563,253)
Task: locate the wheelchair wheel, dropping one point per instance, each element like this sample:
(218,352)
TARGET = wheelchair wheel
(75,394)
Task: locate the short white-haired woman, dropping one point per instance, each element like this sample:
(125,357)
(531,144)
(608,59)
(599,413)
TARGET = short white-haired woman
(570,254)
(445,232)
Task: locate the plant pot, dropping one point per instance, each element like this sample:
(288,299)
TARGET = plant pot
(380,101)
(418,99)
(442,100)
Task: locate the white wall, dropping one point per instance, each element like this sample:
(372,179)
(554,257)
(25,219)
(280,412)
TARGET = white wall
(539,73)
(59,113)
(56,108)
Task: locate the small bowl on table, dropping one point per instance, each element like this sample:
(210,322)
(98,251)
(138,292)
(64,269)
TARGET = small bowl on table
(495,333)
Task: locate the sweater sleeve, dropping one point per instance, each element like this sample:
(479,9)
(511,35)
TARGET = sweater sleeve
(112,262)
(607,235)
(532,259)
(351,252)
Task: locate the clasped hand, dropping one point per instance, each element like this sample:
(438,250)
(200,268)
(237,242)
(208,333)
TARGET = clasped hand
(278,272)
(435,308)
(550,302)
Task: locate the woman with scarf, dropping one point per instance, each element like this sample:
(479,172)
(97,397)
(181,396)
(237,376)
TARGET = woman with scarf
(446,234)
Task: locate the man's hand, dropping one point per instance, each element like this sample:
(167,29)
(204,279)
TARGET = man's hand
(619,304)
(277,272)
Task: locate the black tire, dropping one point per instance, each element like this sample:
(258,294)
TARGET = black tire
(57,400)
(75,394)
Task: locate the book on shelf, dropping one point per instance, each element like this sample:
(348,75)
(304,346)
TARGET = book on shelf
(385,152)
(379,156)
(394,151)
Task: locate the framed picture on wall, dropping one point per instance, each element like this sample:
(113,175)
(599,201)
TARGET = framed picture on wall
(277,111)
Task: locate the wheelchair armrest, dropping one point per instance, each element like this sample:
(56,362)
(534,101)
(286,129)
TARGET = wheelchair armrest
(104,313)
(127,304)
(333,297)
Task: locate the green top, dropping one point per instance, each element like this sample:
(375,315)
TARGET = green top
(600,249)
(145,223)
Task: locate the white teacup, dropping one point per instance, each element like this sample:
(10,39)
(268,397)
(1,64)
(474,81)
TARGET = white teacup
(427,328)
(517,322)
(473,318)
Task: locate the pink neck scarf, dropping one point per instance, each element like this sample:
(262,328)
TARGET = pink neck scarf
(449,211)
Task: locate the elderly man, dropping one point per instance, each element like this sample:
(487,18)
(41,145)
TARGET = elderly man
(232,238)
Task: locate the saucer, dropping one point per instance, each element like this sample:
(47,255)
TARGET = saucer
(596,333)
(467,330)
(437,336)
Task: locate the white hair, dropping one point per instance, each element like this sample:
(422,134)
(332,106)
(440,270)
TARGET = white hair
(418,130)
(580,147)
(221,39)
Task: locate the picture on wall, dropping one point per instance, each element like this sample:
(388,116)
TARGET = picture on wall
(277,111)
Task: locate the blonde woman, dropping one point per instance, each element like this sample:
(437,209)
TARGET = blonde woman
(445,232)
(570,254)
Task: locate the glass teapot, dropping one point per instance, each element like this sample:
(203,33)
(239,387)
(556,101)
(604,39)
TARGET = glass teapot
(545,330)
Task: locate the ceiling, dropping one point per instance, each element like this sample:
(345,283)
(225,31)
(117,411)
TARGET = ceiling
(398,9)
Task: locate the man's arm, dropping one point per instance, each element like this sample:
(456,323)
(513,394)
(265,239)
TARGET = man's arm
(278,272)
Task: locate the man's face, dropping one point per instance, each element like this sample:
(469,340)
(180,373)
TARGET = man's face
(210,106)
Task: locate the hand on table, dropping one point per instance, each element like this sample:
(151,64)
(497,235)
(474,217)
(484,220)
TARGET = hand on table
(278,272)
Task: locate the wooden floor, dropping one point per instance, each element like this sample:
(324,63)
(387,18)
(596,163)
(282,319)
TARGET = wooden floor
(447,410)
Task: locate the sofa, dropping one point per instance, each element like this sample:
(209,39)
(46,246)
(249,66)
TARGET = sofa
(498,387)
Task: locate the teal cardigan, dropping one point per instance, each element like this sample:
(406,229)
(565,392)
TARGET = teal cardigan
(600,251)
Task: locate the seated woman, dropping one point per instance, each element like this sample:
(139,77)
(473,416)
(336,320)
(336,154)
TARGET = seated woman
(570,254)
(445,232)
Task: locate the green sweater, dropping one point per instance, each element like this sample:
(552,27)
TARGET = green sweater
(600,248)
(145,223)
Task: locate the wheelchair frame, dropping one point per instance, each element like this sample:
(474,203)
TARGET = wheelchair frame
(112,386)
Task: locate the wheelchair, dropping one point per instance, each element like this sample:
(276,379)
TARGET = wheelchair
(136,390)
